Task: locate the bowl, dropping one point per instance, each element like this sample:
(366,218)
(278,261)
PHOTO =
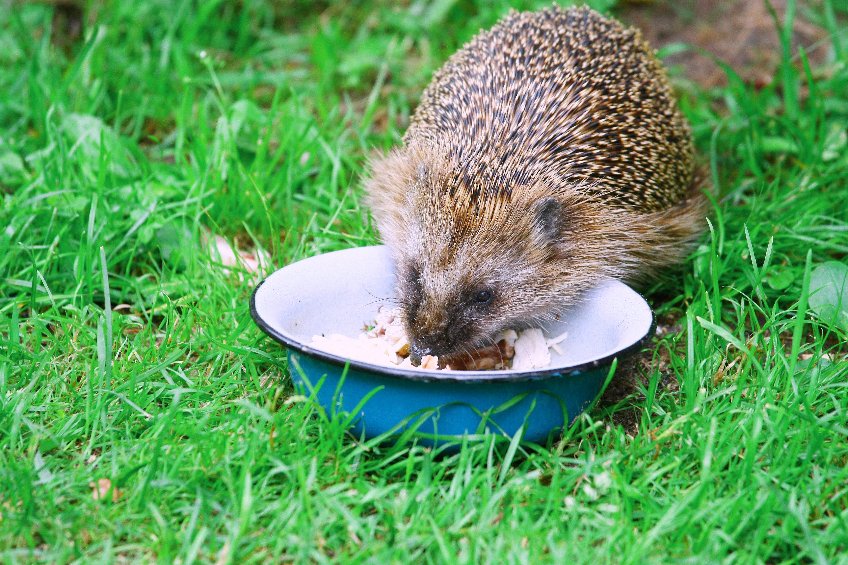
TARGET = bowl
(340,292)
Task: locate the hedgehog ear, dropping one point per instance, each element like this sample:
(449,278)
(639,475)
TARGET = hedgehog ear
(549,221)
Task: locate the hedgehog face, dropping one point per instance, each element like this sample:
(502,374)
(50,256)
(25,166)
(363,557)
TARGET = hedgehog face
(478,250)
(464,277)
(445,314)
(462,304)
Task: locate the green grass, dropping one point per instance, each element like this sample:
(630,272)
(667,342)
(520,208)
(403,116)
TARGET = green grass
(127,353)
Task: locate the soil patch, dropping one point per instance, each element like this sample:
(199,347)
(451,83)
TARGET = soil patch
(741,33)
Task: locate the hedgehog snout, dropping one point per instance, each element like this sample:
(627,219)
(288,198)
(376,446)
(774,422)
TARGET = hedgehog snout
(432,344)
(416,352)
(441,341)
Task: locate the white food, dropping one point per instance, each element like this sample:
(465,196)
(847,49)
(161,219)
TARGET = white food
(386,343)
(531,351)
(382,344)
(554,342)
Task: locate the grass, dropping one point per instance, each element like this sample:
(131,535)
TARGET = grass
(127,352)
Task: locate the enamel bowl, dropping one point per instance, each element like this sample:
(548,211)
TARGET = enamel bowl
(340,292)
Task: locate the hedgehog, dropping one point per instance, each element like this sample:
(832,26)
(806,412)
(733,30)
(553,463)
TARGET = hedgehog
(547,154)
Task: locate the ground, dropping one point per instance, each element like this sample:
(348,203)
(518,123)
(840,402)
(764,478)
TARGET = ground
(144,417)
(697,34)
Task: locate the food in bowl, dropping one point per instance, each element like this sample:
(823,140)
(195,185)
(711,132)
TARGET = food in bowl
(384,342)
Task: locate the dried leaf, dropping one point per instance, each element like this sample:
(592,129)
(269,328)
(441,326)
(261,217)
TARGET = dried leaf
(252,262)
(829,293)
(101,488)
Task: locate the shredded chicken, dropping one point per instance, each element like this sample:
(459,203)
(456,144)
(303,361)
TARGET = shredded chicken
(385,343)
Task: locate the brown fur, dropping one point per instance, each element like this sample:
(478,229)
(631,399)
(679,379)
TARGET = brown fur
(546,154)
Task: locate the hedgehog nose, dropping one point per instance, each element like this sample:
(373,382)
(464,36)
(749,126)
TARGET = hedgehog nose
(417,351)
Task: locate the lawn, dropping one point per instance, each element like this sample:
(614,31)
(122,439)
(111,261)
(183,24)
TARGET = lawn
(144,417)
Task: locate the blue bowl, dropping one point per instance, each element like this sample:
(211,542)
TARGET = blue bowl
(340,292)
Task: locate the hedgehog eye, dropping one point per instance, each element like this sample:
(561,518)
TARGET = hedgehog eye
(484,296)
